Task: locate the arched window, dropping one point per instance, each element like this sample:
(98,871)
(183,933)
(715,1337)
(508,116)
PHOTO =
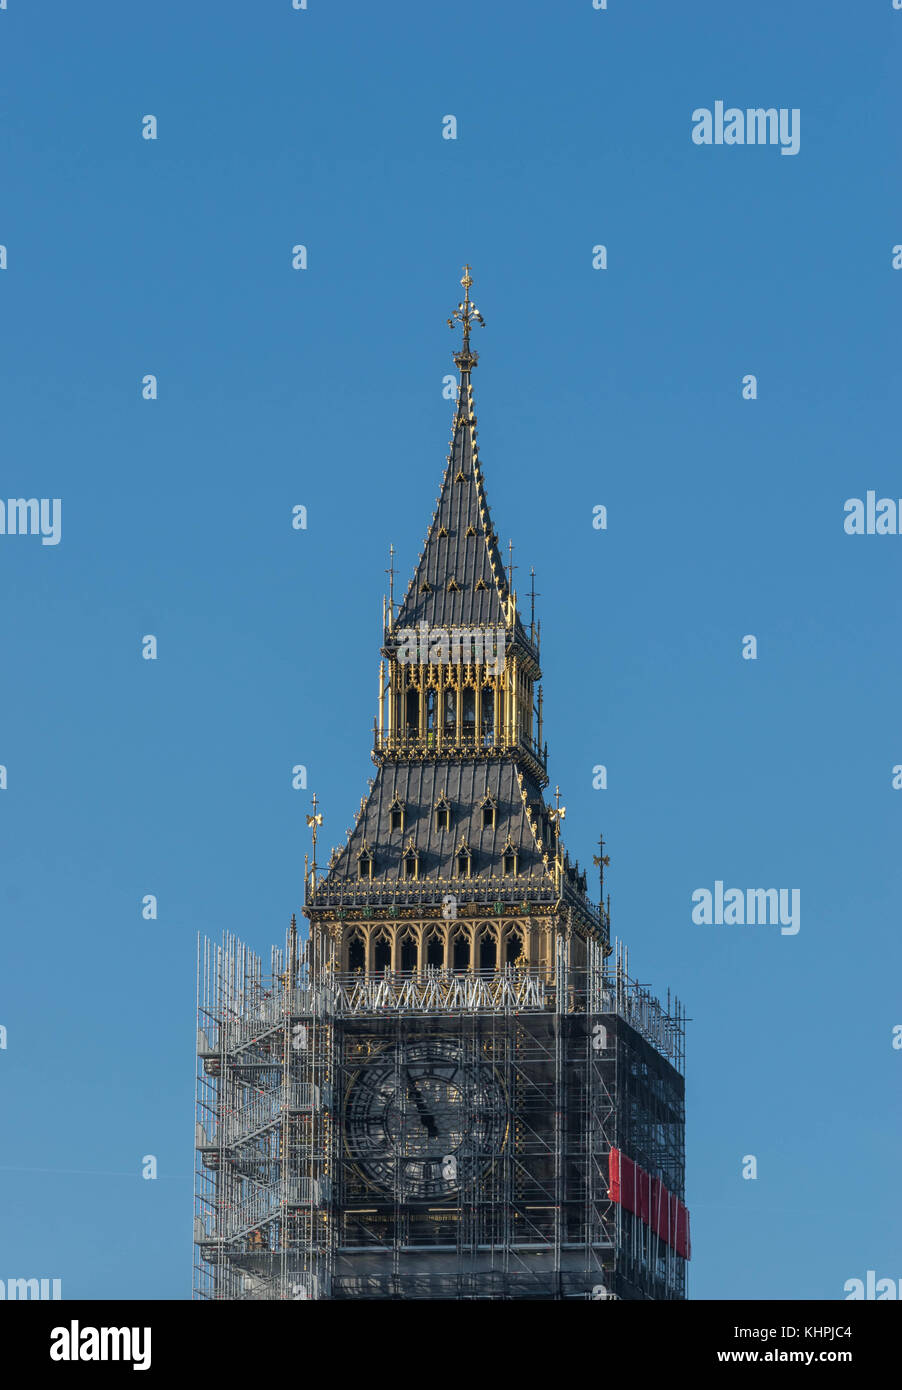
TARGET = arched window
(382,954)
(430,711)
(356,952)
(435,951)
(413,713)
(488,717)
(451,712)
(409,955)
(469,709)
(488,951)
(460,952)
(513,948)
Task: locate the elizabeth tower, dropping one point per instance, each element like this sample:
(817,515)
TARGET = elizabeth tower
(452,1088)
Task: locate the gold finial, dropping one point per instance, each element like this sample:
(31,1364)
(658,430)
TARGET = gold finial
(314,822)
(555,816)
(466,314)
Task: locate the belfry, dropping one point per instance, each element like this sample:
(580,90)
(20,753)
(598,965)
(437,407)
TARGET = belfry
(452,1088)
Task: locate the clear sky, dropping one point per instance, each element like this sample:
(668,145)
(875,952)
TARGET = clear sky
(323,387)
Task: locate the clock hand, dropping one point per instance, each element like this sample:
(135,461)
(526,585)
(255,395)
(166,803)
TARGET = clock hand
(426,1116)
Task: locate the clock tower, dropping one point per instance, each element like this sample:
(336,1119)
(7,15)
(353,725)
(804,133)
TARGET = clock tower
(453,1089)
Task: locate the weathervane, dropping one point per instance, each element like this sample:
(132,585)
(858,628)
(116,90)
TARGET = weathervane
(314,822)
(556,814)
(466,314)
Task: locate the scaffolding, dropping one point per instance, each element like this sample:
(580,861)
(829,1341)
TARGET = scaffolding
(264,1130)
(301,1193)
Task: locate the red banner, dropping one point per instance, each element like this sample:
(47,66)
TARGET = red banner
(614,1175)
(647,1197)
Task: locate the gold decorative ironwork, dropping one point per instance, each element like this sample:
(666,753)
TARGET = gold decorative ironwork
(466,314)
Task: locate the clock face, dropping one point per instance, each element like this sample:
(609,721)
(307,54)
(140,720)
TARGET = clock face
(420,1121)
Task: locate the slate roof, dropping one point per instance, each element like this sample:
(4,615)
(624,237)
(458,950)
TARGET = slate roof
(460,579)
(418,785)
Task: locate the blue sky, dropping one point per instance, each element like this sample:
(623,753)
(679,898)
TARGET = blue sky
(324,388)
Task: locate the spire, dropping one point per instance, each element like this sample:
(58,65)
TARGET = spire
(460,578)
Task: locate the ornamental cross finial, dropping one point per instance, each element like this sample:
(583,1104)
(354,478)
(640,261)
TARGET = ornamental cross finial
(533,595)
(601,861)
(466,314)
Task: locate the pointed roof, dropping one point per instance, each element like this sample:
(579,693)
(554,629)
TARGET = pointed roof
(460,580)
(463,785)
(523,824)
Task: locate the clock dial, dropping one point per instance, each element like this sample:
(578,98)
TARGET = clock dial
(421,1121)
